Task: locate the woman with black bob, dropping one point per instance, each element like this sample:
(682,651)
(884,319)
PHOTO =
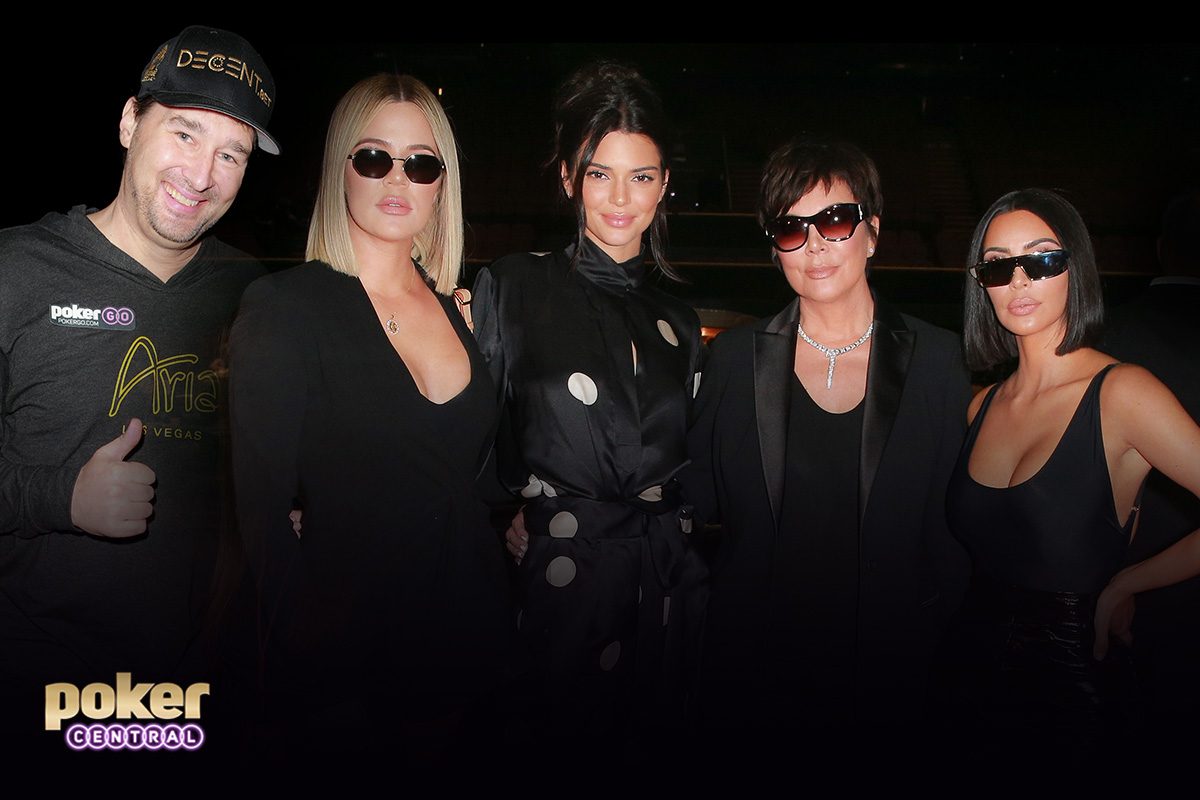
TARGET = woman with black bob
(596,370)
(823,442)
(1045,495)
(359,395)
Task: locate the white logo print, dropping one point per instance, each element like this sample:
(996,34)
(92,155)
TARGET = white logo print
(74,316)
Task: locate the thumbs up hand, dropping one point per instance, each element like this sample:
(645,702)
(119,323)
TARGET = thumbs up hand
(112,496)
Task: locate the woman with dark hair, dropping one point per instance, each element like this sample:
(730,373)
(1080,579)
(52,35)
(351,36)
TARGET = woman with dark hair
(596,368)
(1045,494)
(988,342)
(823,442)
(359,394)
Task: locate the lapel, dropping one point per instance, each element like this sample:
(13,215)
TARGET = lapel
(891,352)
(774,363)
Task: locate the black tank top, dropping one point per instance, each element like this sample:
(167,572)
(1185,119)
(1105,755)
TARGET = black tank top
(1057,531)
(812,643)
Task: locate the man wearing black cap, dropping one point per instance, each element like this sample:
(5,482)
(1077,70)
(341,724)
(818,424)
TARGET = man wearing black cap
(110,383)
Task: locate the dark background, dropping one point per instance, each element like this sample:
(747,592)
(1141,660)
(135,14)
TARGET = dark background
(951,125)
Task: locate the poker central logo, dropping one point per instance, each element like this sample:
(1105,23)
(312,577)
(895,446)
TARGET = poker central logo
(127,700)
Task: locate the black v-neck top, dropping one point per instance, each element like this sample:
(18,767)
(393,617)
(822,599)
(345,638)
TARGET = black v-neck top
(397,567)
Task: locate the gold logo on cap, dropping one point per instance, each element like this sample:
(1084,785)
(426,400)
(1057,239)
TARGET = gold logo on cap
(152,71)
(229,65)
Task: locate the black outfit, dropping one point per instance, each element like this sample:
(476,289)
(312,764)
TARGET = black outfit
(393,601)
(89,338)
(811,649)
(1018,655)
(901,571)
(596,370)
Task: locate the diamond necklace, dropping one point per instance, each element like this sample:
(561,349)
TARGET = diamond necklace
(830,352)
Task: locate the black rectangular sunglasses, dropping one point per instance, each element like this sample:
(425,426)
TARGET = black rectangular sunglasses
(1037,266)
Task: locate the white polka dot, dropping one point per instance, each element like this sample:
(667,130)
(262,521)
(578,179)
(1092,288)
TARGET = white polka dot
(582,388)
(608,658)
(667,333)
(696,384)
(533,488)
(560,571)
(666,609)
(563,526)
(548,490)
(652,495)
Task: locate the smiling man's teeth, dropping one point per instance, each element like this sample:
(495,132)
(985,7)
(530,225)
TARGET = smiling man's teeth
(171,191)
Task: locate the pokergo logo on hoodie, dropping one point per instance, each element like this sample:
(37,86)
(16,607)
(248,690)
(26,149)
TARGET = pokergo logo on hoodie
(75,316)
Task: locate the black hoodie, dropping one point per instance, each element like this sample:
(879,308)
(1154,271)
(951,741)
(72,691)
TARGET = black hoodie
(89,338)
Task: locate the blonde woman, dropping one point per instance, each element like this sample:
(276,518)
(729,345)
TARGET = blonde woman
(359,395)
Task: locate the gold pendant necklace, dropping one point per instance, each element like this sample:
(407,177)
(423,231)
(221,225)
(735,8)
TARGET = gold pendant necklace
(391,326)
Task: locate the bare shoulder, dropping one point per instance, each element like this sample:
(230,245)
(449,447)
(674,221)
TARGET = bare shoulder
(1128,387)
(1140,409)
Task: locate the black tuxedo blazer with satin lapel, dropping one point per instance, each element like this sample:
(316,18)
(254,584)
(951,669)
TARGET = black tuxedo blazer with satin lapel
(912,573)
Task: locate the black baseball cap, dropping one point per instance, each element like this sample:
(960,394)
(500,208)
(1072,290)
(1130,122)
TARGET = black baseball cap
(214,70)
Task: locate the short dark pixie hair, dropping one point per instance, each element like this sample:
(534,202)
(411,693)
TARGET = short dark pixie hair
(598,99)
(986,341)
(807,160)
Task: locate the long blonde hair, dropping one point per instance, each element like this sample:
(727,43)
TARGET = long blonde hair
(438,248)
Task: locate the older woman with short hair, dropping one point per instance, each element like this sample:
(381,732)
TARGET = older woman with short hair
(823,443)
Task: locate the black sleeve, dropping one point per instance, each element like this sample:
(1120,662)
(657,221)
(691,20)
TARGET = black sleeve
(33,499)
(268,396)
(949,410)
(486,314)
(500,481)
(698,477)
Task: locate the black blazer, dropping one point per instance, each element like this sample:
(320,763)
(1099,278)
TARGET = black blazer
(912,573)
